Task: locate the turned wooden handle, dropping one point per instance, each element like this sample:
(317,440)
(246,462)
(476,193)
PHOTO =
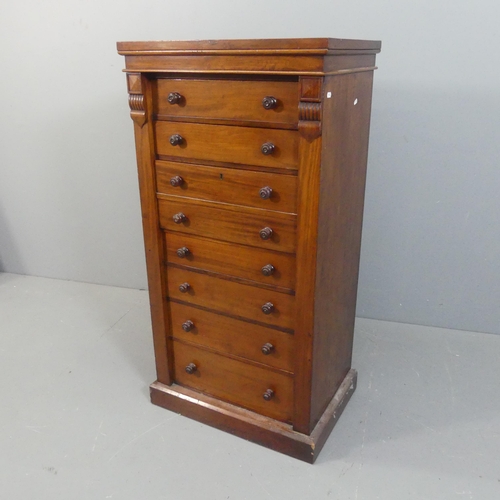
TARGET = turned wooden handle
(191,368)
(177,139)
(268,308)
(269,102)
(268,270)
(183,252)
(266,192)
(184,287)
(174,98)
(266,233)
(178,218)
(267,148)
(188,325)
(176,181)
(267,348)
(268,395)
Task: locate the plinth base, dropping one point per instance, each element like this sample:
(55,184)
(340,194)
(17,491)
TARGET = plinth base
(252,426)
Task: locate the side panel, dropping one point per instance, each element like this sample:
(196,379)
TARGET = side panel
(346,123)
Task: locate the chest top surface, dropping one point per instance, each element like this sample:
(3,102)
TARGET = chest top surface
(298,45)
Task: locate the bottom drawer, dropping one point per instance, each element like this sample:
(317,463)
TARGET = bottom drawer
(234,381)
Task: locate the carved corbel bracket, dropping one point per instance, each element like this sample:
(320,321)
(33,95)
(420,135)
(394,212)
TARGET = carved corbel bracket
(311,90)
(136,98)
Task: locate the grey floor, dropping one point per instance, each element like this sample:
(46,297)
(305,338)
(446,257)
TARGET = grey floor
(75,421)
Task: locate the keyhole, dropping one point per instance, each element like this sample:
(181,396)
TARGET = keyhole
(221,176)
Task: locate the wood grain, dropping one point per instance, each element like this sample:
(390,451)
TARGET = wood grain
(234,260)
(343,174)
(227,99)
(234,381)
(311,89)
(203,64)
(232,298)
(228,144)
(229,223)
(228,185)
(232,336)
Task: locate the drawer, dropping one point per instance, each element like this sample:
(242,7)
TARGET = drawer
(228,185)
(227,144)
(227,100)
(234,381)
(234,260)
(227,335)
(229,223)
(232,298)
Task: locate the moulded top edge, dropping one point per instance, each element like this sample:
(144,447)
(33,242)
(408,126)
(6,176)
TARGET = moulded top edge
(287,45)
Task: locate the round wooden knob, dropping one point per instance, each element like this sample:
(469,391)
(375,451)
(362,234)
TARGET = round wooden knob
(174,98)
(176,181)
(268,270)
(267,348)
(269,102)
(182,252)
(178,218)
(268,395)
(191,368)
(188,325)
(184,287)
(177,139)
(268,308)
(265,192)
(267,148)
(266,233)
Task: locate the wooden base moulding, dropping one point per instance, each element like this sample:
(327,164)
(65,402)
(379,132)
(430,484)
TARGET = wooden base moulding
(252,426)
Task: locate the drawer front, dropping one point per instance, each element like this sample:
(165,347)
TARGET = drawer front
(227,99)
(264,266)
(221,143)
(234,381)
(227,335)
(228,185)
(229,223)
(226,296)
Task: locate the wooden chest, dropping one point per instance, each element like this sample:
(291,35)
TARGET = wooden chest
(252,161)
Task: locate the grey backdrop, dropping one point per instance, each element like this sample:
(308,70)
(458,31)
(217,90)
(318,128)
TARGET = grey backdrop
(69,206)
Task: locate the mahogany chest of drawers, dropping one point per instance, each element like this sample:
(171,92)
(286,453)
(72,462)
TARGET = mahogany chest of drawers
(252,161)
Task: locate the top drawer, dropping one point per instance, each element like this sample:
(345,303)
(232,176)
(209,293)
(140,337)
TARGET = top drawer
(230,100)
